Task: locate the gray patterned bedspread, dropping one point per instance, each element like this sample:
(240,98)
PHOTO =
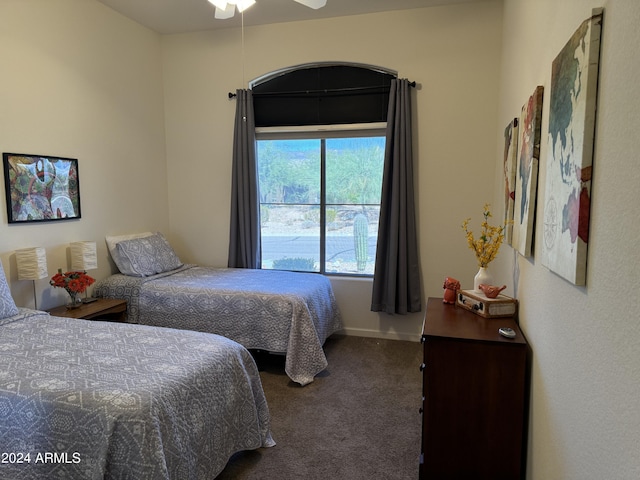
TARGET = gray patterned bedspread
(276,311)
(94,400)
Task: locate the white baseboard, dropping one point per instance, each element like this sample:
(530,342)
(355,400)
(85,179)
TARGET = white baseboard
(362,332)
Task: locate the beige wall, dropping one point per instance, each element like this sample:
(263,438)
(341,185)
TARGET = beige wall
(92,88)
(451,52)
(585,421)
(80,81)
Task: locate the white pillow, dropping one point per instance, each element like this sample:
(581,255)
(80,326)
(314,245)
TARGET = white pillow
(7,304)
(123,264)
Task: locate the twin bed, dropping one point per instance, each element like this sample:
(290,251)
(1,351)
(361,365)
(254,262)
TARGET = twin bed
(95,400)
(275,311)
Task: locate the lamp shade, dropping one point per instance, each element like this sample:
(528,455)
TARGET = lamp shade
(83,256)
(31,263)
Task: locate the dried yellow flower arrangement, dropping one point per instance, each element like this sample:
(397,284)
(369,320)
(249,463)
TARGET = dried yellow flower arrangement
(487,245)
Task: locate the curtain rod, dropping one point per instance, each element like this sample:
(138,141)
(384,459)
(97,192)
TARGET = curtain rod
(304,92)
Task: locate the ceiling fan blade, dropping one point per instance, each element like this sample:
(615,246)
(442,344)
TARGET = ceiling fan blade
(224,13)
(219,3)
(315,4)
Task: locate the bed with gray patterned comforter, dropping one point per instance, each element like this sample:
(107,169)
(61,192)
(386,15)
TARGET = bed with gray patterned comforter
(276,311)
(94,400)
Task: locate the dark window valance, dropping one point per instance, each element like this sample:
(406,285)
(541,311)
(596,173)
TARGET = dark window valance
(322,94)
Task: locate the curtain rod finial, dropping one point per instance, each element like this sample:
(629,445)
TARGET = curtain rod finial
(232,95)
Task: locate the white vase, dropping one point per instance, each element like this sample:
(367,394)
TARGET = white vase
(483,276)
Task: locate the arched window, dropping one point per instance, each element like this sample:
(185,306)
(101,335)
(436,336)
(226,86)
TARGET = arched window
(320,131)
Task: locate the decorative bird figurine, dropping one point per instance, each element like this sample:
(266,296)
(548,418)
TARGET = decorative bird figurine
(491,291)
(451,285)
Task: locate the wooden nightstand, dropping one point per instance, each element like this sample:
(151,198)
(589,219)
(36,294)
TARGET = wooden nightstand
(110,309)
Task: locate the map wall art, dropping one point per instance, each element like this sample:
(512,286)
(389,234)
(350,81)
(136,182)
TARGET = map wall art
(41,189)
(527,173)
(572,116)
(509,164)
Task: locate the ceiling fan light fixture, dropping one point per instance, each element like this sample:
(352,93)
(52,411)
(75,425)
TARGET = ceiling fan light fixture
(244,4)
(224,13)
(315,4)
(221,4)
(226,8)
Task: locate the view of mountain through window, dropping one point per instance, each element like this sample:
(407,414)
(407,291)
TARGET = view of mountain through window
(320,203)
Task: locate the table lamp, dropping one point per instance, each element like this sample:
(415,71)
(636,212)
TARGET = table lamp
(32,265)
(84,257)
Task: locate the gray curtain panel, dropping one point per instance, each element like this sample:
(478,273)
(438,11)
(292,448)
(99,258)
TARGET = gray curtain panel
(396,282)
(244,238)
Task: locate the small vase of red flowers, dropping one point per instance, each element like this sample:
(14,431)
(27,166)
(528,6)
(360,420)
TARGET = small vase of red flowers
(75,283)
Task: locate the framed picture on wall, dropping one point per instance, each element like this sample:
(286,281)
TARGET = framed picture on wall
(529,128)
(572,118)
(41,188)
(509,164)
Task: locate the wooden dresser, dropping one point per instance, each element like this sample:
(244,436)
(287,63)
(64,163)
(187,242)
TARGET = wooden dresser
(475,396)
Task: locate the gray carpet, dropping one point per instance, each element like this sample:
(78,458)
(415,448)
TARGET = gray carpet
(358,420)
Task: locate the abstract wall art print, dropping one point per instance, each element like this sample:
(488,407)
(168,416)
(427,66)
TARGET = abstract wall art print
(41,188)
(572,118)
(529,129)
(509,164)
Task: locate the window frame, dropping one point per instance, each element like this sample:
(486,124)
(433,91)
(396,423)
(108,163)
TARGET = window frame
(322,132)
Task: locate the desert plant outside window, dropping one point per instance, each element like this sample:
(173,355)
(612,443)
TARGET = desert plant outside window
(320,197)
(333,93)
